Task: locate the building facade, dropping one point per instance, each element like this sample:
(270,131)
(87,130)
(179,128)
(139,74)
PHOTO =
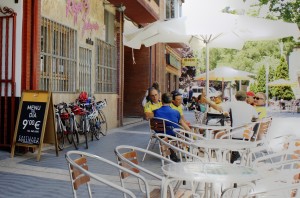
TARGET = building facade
(69,46)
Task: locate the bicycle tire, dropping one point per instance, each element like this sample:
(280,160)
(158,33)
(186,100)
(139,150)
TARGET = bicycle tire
(60,136)
(69,135)
(97,128)
(85,131)
(74,133)
(103,126)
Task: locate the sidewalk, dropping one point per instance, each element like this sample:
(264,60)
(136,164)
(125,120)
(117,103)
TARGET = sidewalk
(22,176)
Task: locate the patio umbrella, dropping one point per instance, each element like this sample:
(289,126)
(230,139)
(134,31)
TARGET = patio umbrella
(282,83)
(225,73)
(222,30)
(214,30)
(160,32)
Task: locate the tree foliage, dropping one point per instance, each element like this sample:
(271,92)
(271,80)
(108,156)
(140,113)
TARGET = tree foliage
(289,11)
(281,72)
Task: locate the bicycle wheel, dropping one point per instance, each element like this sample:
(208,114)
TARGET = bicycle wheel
(74,133)
(97,128)
(60,136)
(69,135)
(85,129)
(103,123)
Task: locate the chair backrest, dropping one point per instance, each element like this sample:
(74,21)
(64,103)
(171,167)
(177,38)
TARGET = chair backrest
(200,117)
(263,128)
(282,190)
(165,149)
(219,119)
(132,157)
(80,173)
(129,155)
(238,191)
(161,125)
(246,130)
(77,177)
(157,125)
(179,146)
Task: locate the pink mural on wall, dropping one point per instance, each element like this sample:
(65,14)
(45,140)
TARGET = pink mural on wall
(89,26)
(76,7)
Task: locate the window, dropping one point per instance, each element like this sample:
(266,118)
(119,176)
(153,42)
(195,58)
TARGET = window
(85,67)
(109,19)
(173,8)
(58,57)
(106,67)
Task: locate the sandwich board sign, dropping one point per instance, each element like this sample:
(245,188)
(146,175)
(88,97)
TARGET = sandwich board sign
(35,122)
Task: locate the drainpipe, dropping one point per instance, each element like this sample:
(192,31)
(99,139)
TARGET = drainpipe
(150,68)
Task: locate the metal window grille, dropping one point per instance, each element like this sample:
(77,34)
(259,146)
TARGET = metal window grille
(106,67)
(58,57)
(85,67)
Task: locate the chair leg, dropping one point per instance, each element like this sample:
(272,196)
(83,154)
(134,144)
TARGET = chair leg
(147,148)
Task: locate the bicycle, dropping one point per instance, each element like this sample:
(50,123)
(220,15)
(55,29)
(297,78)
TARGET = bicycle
(63,129)
(101,117)
(85,121)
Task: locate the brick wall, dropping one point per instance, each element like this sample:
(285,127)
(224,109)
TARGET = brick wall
(136,80)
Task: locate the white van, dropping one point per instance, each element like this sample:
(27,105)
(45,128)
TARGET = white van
(197,90)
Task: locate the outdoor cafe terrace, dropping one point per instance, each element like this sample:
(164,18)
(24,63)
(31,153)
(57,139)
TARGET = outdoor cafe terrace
(204,170)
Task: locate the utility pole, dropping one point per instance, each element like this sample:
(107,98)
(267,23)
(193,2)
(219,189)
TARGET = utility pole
(267,86)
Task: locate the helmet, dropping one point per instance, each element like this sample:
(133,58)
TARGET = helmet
(93,114)
(78,110)
(83,97)
(101,104)
(64,116)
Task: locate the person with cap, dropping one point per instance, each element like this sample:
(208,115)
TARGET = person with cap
(177,105)
(250,97)
(241,113)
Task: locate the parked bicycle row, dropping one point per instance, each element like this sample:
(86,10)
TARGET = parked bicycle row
(82,117)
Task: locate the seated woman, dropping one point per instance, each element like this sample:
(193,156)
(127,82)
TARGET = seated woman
(193,104)
(214,117)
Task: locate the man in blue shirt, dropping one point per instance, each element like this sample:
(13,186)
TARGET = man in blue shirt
(168,113)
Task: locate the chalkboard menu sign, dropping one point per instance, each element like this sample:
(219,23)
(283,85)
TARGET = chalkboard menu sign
(31,122)
(35,121)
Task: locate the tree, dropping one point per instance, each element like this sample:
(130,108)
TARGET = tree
(281,72)
(286,10)
(271,78)
(260,80)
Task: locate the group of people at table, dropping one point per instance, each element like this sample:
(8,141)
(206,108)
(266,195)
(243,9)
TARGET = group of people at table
(247,107)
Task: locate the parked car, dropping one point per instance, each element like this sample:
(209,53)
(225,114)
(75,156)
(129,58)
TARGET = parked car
(197,90)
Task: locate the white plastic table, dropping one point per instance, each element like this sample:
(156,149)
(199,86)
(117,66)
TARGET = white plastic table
(222,145)
(209,129)
(208,173)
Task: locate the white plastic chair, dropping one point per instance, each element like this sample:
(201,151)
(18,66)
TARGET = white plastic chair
(128,156)
(157,125)
(179,146)
(78,163)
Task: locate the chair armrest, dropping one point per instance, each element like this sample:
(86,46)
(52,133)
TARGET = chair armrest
(181,133)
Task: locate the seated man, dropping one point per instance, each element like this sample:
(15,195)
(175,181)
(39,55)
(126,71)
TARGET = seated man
(173,115)
(153,104)
(168,113)
(177,105)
